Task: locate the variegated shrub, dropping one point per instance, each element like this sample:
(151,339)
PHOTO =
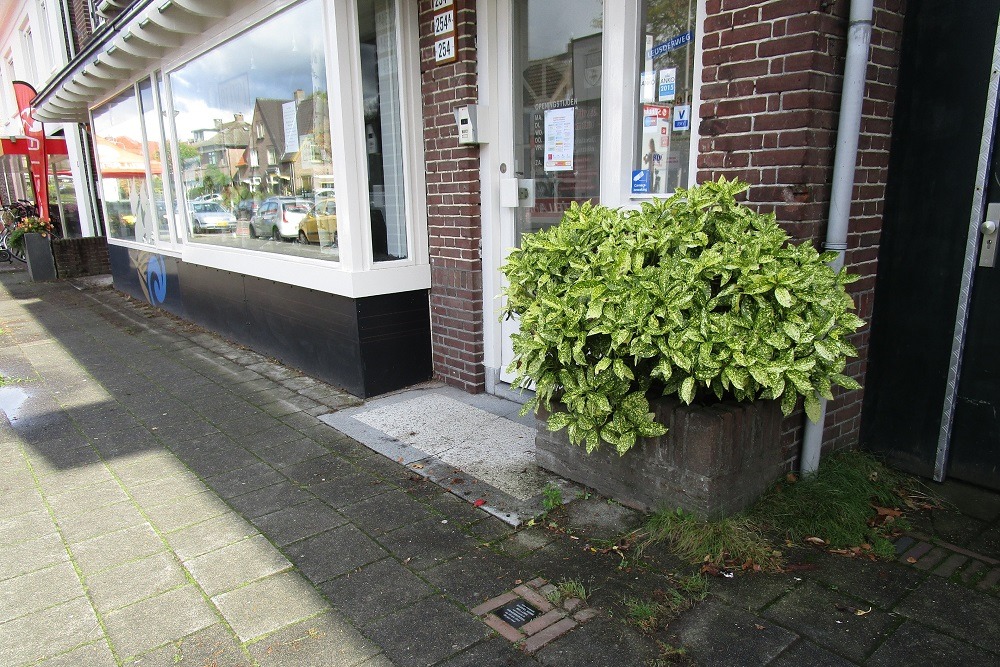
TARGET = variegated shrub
(696,295)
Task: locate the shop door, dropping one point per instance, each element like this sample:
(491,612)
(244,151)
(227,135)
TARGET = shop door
(555,107)
(974,448)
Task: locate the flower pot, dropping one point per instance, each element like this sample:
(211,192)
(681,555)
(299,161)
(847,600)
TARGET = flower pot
(713,461)
(38,253)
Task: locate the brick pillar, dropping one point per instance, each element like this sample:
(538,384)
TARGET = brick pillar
(772,77)
(453,205)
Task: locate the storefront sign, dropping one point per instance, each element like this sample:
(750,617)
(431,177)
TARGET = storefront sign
(559,131)
(668,84)
(640,182)
(290,126)
(34,133)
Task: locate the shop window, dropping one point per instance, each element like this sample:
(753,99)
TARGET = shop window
(154,148)
(255,81)
(122,169)
(383,137)
(665,99)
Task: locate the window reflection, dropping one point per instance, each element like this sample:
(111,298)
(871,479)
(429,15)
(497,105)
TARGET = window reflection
(666,91)
(253,127)
(122,168)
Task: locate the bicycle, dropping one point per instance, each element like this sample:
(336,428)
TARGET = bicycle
(11,215)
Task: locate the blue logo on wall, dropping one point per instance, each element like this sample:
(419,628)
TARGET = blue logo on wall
(156,280)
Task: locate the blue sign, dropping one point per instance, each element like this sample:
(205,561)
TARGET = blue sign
(668,88)
(640,182)
(682,118)
(670,45)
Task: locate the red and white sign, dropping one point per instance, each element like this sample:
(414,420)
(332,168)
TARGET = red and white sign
(24,93)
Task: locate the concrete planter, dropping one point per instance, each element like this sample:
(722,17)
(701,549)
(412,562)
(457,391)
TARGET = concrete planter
(38,253)
(713,461)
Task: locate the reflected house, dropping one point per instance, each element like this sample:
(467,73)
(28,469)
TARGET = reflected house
(312,162)
(220,150)
(268,174)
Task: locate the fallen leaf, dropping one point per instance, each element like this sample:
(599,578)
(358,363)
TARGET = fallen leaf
(862,612)
(759,626)
(911,560)
(479,502)
(418,465)
(887,511)
(816,540)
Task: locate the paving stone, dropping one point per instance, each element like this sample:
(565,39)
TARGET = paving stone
(350,489)
(929,560)
(824,617)
(716,635)
(494,651)
(25,527)
(333,553)
(319,470)
(525,541)
(66,480)
(108,550)
(935,602)
(987,542)
(916,552)
(989,580)
(214,646)
(386,512)
(32,555)
(37,590)
(752,592)
(181,512)
(970,500)
(155,621)
(215,533)
(85,499)
(601,642)
(804,652)
(215,459)
(269,499)
(291,453)
(48,633)
(427,543)
(914,644)
(146,467)
(950,565)
(375,590)
(427,632)
(90,655)
(972,571)
(244,480)
(167,489)
(16,503)
(879,583)
(121,586)
(322,640)
(236,564)
(108,519)
(269,604)
(299,522)
(477,576)
(948,525)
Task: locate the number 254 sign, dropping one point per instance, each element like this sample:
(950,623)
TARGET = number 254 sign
(445,50)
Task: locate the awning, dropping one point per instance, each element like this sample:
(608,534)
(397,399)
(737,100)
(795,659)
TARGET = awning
(123,49)
(115,160)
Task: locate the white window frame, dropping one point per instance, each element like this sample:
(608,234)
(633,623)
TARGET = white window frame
(356,274)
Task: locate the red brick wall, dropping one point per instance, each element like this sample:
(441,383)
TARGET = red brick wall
(453,206)
(770,100)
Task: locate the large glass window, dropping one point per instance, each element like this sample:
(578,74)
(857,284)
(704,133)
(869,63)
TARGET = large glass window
(253,128)
(122,169)
(558,59)
(665,97)
(154,144)
(383,139)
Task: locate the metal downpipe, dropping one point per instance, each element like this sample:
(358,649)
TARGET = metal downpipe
(841,194)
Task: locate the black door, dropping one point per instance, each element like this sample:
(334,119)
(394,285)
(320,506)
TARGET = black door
(937,144)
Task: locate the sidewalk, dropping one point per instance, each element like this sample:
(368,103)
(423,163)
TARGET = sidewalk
(168,498)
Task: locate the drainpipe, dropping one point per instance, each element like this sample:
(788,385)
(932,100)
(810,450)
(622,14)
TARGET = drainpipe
(846,157)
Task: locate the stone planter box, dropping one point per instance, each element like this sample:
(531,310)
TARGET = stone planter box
(38,254)
(713,461)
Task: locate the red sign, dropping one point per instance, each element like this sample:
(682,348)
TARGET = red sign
(24,93)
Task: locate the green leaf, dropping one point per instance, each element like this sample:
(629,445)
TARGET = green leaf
(812,407)
(783,296)
(687,390)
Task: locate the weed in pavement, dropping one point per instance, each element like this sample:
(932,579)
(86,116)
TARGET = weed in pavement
(566,589)
(551,497)
(732,539)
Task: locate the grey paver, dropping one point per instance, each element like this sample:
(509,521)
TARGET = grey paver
(48,633)
(85,499)
(166,489)
(108,519)
(31,555)
(243,480)
(935,602)
(333,553)
(322,640)
(950,565)
(350,489)
(386,512)
(215,533)
(131,582)
(497,651)
(38,590)
(882,584)
(477,576)
(110,549)
(375,590)
(269,499)
(155,621)
(90,655)
(215,646)
(269,604)
(181,512)
(804,652)
(25,527)
(427,632)
(236,564)
(299,522)
(427,543)
(716,635)
(291,453)
(913,644)
(71,479)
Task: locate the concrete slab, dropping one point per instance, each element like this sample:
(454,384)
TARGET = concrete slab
(236,565)
(111,549)
(92,655)
(32,555)
(914,644)
(934,604)
(215,533)
(374,591)
(48,633)
(269,604)
(333,553)
(125,584)
(153,622)
(185,511)
(299,522)
(718,636)
(427,632)
(38,590)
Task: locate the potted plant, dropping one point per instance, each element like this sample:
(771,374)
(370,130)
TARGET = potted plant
(34,235)
(691,313)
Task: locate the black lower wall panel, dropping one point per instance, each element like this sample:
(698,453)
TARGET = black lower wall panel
(367,346)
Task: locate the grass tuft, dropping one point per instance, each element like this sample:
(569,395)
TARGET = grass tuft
(730,539)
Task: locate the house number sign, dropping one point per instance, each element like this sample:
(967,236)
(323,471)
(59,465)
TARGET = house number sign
(445,50)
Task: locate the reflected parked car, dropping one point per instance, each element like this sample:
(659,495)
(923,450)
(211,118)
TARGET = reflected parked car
(279,217)
(209,216)
(320,224)
(246,209)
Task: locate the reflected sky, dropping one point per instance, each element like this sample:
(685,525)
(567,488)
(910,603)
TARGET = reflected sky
(271,61)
